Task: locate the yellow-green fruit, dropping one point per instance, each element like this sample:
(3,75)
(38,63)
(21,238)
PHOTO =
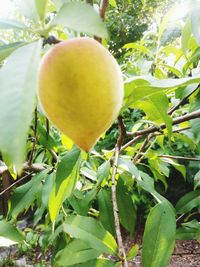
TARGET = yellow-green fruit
(80,89)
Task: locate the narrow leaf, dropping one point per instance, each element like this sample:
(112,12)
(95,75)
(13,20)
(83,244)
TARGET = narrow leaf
(186,33)
(103,172)
(10,232)
(76,252)
(127,209)
(188,202)
(12,24)
(106,210)
(81,17)
(97,263)
(24,195)
(189,231)
(18,89)
(41,6)
(6,50)
(159,236)
(66,185)
(140,87)
(66,166)
(133,252)
(91,232)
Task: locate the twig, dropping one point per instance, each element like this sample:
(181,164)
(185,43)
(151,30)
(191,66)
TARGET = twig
(34,138)
(182,102)
(122,132)
(54,155)
(35,167)
(18,181)
(131,142)
(190,116)
(178,157)
(104,4)
(145,146)
(182,129)
(47,128)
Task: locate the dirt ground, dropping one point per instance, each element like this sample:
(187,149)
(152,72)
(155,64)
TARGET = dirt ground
(186,254)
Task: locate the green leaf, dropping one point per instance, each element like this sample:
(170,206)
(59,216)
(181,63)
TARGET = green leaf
(103,172)
(156,106)
(90,174)
(186,33)
(178,167)
(46,189)
(8,233)
(139,87)
(91,232)
(189,231)
(174,70)
(42,139)
(133,252)
(196,128)
(7,49)
(25,195)
(106,211)
(76,252)
(12,24)
(127,209)
(97,263)
(81,201)
(129,166)
(81,17)
(66,166)
(188,202)
(197,180)
(113,3)
(41,6)
(18,89)
(138,47)
(68,176)
(159,236)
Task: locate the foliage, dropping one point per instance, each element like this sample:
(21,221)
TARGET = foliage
(68,193)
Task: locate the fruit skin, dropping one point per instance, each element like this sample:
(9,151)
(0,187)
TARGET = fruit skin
(80,89)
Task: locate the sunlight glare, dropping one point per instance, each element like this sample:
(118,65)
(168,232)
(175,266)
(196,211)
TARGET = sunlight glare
(7,8)
(179,11)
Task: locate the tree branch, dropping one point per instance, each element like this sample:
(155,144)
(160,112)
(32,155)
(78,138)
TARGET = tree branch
(137,135)
(178,157)
(104,4)
(145,146)
(183,101)
(34,138)
(122,132)
(15,183)
(35,167)
(190,116)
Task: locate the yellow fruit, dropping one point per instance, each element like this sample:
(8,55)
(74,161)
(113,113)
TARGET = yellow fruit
(80,89)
